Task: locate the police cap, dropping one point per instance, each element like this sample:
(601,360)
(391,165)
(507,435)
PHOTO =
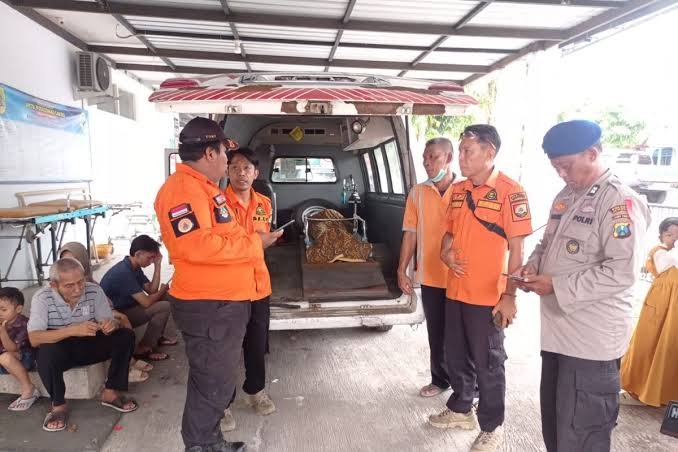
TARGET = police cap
(571,137)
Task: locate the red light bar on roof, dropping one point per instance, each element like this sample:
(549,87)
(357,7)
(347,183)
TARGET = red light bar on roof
(445,87)
(180,83)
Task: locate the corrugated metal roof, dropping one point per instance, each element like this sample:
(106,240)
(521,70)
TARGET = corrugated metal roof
(463,58)
(534,16)
(208,45)
(375,37)
(362,70)
(439,75)
(310,8)
(204,4)
(375,54)
(421,11)
(284,67)
(136,59)
(258,48)
(188,26)
(267,31)
(486,43)
(209,63)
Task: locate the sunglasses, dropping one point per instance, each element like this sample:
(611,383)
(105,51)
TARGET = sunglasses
(471,135)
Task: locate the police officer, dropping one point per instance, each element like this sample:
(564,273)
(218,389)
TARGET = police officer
(584,270)
(214,281)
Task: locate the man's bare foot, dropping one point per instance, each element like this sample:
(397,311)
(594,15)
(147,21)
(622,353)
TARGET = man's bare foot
(60,422)
(27,392)
(113,397)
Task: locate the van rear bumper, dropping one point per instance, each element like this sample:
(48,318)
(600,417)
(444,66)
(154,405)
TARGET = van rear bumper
(406,310)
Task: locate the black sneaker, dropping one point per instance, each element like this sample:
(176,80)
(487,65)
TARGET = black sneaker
(225,446)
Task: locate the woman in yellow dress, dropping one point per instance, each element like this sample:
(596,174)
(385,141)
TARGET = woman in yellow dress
(649,370)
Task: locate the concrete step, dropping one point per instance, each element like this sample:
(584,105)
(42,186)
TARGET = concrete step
(81,382)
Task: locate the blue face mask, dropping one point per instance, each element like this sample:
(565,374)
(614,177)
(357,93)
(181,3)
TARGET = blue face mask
(438,177)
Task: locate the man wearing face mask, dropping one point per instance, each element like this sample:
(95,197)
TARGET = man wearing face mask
(423,229)
(584,269)
(487,221)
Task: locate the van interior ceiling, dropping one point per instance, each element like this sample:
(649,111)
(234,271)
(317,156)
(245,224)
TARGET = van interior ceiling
(310,163)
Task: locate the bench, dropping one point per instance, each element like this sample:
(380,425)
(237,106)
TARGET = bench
(81,382)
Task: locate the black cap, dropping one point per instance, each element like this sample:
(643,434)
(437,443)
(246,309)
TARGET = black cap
(203,130)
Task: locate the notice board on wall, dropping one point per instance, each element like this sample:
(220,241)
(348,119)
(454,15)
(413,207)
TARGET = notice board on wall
(41,141)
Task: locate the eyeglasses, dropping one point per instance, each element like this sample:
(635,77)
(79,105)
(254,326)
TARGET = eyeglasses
(471,135)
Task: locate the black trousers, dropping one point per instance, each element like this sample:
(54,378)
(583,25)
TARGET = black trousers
(55,359)
(255,346)
(474,348)
(433,301)
(579,402)
(213,332)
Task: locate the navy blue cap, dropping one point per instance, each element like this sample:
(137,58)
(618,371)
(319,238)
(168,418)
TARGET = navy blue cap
(571,137)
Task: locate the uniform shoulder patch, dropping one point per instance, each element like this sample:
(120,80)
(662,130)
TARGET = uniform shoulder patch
(621,230)
(520,209)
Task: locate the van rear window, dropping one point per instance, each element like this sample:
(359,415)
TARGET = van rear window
(304,170)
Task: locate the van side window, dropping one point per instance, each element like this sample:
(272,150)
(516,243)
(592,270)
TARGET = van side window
(381,170)
(368,171)
(314,170)
(394,167)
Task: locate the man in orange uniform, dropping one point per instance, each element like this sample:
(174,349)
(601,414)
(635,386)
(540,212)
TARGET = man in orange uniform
(487,219)
(214,264)
(253,212)
(423,229)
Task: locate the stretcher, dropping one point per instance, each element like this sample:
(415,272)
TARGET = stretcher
(34,219)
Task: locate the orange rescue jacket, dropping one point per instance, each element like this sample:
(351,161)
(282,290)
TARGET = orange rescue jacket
(214,257)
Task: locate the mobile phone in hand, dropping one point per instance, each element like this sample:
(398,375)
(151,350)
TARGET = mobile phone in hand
(289,223)
(515,277)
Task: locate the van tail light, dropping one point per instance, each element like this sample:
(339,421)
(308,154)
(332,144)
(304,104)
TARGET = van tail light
(179,83)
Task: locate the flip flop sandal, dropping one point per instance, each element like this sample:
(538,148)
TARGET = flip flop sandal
(149,355)
(163,341)
(430,390)
(119,402)
(142,365)
(55,416)
(24,404)
(137,376)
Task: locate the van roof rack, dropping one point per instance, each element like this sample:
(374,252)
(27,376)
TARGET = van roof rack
(315,78)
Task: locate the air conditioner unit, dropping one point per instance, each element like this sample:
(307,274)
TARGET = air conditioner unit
(94,76)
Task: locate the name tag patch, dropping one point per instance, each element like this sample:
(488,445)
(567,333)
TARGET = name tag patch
(482,203)
(456,204)
(219,199)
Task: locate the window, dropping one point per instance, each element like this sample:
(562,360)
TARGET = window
(662,156)
(304,170)
(368,170)
(381,169)
(394,167)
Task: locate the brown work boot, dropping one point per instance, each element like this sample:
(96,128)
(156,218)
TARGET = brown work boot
(489,441)
(261,402)
(449,419)
(228,421)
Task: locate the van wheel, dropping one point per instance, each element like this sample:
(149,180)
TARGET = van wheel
(310,207)
(381,328)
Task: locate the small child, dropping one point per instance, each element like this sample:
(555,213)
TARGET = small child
(16,353)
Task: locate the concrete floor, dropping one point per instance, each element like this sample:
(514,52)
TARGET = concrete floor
(356,390)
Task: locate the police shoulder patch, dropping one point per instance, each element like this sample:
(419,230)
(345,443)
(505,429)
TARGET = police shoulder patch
(621,230)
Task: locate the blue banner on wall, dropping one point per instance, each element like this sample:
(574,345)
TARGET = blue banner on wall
(16,105)
(41,141)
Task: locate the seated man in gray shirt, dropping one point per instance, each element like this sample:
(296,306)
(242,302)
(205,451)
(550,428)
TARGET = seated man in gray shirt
(72,325)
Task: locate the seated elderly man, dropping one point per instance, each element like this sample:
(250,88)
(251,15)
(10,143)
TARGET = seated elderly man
(72,325)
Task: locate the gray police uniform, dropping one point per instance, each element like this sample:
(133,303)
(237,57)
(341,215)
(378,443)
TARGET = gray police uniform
(591,249)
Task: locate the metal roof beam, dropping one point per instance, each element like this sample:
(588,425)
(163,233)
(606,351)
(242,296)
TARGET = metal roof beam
(177,69)
(130,28)
(355,45)
(340,33)
(236,35)
(462,22)
(208,15)
(277,59)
